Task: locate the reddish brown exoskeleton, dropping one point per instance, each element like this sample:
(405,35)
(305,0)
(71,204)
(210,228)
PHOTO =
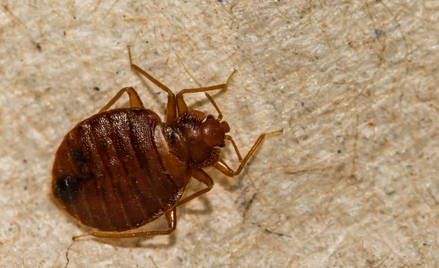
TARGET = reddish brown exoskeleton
(123,168)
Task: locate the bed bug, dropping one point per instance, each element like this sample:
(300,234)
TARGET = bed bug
(123,168)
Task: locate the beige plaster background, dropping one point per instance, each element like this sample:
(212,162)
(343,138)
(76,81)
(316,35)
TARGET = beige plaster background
(352,181)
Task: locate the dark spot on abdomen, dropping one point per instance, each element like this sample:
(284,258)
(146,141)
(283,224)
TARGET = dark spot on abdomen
(78,156)
(67,189)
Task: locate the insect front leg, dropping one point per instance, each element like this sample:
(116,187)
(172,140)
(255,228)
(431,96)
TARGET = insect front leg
(201,176)
(182,106)
(224,168)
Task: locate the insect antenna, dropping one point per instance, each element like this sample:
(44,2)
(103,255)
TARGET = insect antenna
(220,115)
(254,186)
(195,80)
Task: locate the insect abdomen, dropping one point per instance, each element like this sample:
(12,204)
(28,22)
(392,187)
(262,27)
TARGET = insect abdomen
(108,173)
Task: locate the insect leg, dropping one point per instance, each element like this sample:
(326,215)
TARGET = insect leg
(134,99)
(201,176)
(171,109)
(181,104)
(171,217)
(224,168)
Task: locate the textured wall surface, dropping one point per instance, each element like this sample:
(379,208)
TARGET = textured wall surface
(351,182)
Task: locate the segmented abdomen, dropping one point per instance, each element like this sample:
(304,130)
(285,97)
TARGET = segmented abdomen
(108,173)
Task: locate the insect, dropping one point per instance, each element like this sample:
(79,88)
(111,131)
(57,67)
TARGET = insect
(123,168)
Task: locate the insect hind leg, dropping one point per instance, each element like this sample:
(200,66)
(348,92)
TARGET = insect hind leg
(134,99)
(171,108)
(171,217)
